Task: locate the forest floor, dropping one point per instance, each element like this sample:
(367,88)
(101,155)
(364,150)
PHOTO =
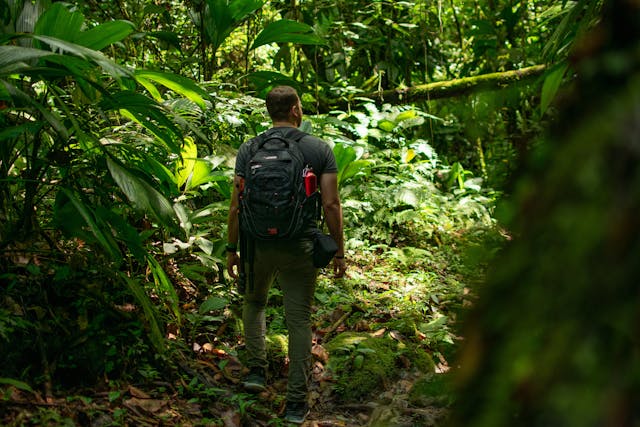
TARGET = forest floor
(136,407)
(404,298)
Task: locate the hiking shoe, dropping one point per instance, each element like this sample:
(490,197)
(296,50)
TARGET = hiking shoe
(255,381)
(296,412)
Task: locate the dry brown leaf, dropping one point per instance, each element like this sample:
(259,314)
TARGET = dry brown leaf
(232,419)
(379,333)
(397,336)
(149,406)
(136,392)
(320,353)
(318,371)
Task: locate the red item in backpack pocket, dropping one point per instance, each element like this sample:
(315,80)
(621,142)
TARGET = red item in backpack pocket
(310,182)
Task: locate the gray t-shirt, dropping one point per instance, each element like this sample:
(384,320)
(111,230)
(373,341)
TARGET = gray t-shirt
(316,152)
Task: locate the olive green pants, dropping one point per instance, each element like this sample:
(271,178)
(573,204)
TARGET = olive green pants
(291,262)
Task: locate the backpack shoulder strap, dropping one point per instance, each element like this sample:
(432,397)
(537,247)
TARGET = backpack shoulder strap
(294,134)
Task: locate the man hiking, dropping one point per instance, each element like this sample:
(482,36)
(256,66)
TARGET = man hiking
(283,248)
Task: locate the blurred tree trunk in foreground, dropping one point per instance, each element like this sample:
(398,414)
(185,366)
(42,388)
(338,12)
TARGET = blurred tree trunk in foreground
(555,337)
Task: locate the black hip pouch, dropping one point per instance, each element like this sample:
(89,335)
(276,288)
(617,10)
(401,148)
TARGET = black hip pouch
(324,248)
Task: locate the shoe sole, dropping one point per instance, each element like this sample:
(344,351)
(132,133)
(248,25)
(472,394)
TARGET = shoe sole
(297,420)
(254,387)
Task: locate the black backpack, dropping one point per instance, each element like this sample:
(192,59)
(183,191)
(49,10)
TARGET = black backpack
(273,201)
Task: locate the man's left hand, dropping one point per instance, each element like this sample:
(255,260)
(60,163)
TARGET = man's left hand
(339,267)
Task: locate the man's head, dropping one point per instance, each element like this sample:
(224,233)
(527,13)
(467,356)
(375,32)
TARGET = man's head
(283,105)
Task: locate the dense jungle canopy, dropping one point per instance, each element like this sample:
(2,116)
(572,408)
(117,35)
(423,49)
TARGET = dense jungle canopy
(488,171)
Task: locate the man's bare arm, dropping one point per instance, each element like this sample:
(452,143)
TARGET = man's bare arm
(333,216)
(233,260)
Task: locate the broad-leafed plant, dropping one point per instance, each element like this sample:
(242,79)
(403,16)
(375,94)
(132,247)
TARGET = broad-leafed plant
(82,143)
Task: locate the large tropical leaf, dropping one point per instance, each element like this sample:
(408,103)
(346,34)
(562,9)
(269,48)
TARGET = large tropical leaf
(108,66)
(240,9)
(164,287)
(142,194)
(104,35)
(287,31)
(221,17)
(168,37)
(185,166)
(123,232)
(201,174)
(176,83)
(57,21)
(146,112)
(266,80)
(151,312)
(349,165)
(14,59)
(22,99)
(552,83)
(76,209)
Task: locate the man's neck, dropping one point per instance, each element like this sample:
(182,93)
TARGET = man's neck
(283,125)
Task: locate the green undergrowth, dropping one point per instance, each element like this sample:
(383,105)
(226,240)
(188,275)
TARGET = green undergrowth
(400,307)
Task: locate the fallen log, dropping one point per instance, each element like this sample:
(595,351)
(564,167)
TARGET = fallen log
(443,89)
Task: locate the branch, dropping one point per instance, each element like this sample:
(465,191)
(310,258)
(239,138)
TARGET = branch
(446,89)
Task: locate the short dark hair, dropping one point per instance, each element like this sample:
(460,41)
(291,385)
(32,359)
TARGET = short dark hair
(279,102)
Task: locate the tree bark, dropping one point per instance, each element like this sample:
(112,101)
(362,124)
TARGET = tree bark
(445,89)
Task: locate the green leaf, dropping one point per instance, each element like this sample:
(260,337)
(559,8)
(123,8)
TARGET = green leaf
(15,131)
(164,288)
(348,163)
(183,217)
(201,174)
(266,80)
(17,384)
(161,172)
(551,85)
(406,115)
(108,66)
(57,21)
(103,35)
(354,168)
(221,17)
(105,240)
(344,155)
(142,194)
(386,125)
(181,85)
(168,37)
(21,98)
(205,245)
(123,231)
(287,31)
(147,113)
(184,167)
(213,304)
(15,58)
(149,309)
(240,9)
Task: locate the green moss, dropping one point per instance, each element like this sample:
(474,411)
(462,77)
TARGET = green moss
(361,364)
(277,348)
(419,358)
(431,390)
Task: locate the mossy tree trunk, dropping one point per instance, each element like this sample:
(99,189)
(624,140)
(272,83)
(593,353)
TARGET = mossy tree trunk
(444,89)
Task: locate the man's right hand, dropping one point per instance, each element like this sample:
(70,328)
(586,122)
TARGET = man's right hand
(233,260)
